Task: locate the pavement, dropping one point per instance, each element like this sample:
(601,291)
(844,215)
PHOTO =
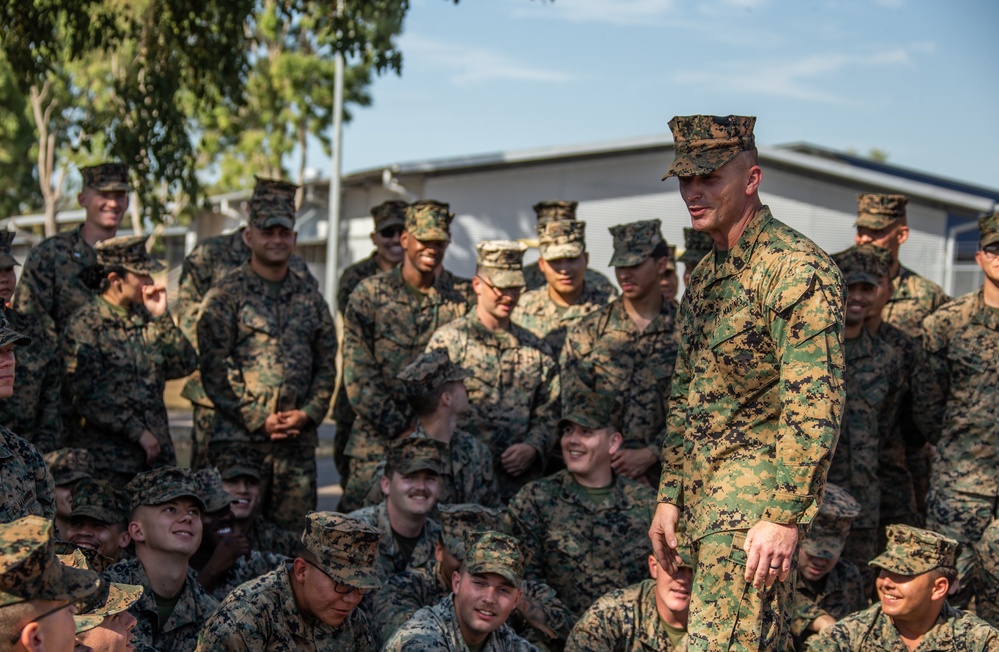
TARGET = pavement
(328,480)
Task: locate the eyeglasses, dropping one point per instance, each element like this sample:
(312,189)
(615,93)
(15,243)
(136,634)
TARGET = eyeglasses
(338,586)
(390,231)
(496,290)
(991,250)
(35,620)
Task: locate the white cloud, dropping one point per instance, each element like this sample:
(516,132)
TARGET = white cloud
(472,65)
(798,79)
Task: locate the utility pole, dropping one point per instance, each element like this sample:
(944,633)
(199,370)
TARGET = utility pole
(333,225)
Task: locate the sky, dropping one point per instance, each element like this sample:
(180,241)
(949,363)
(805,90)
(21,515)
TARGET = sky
(916,79)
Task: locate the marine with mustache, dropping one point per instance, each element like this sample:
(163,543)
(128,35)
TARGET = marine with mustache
(870,454)
(566,297)
(225,559)
(165,526)
(267,348)
(629,348)
(586,515)
(390,219)
(485,591)
(388,322)
(514,384)
(410,484)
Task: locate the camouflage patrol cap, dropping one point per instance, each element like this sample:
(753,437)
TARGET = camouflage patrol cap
(29,569)
(865,263)
(428,219)
(430,371)
(878,211)
(8,335)
(911,551)
(128,252)
(696,245)
(95,560)
(346,548)
(495,552)
(831,524)
(634,242)
(593,410)
(99,500)
(210,489)
(107,177)
(412,454)
(242,461)
(163,485)
(554,211)
(988,228)
(6,255)
(273,204)
(704,143)
(502,262)
(389,213)
(562,239)
(67,465)
(671,258)
(110,599)
(460,519)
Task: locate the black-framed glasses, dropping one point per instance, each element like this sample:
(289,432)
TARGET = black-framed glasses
(991,250)
(36,619)
(496,290)
(338,586)
(391,231)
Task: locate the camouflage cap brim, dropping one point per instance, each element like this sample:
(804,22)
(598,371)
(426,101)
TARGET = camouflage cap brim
(7,260)
(103,514)
(698,163)
(421,464)
(874,222)
(988,229)
(902,564)
(120,598)
(629,258)
(274,220)
(823,547)
(10,336)
(86,623)
(558,252)
(237,470)
(504,278)
(359,578)
(992,238)
(430,234)
(861,277)
(145,268)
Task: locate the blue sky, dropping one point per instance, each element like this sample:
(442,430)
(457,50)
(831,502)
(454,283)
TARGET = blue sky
(918,79)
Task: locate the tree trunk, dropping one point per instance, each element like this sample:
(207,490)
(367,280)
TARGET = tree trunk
(136,213)
(46,156)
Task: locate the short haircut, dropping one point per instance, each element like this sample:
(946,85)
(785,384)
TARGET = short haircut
(12,621)
(426,404)
(949,573)
(661,251)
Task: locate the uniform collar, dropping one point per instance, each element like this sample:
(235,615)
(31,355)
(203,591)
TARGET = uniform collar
(738,256)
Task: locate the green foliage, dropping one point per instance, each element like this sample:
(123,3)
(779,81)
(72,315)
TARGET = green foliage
(18,187)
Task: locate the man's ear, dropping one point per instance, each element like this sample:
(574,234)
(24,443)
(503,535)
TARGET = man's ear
(32,637)
(384,483)
(135,531)
(616,439)
(903,233)
(455,581)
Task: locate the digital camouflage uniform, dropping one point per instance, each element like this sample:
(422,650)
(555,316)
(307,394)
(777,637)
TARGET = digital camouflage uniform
(117,361)
(756,400)
(387,324)
(910,551)
(623,620)
(390,558)
(438,629)
(606,352)
(261,354)
(213,258)
(50,287)
(957,392)
(987,597)
(536,310)
(696,245)
(407,592)
(869,461)
(27,484)
(265,615)
(568,533)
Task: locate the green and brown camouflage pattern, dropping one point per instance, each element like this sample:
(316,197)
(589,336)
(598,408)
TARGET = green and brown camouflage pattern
(831,524)
(634,242)
(458,520)
(840,593)
(100,500)
(67,465)
(625,620)
(537,311)
(437,629)
(412,454)
(704,143)
(496,552)
(566,239)
(35,408)
(911,551)
(696,245)
(389,213)
(273,203)
(236,462)
(112,598)
(29,569)
(878,211)
(346,548)
(501,262)
(163,485)
(988,228)
(987,552)
(590,409)
(8,336)
(864,263)
(431,371)
(6,256)
(913,299)
(428,219)
(392,558)
(213,495)
(555,210)
(128,252)
(106,177)
(26,486)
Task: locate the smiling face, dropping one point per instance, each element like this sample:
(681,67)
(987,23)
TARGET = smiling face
(104,209)
(483,603)
(587,451)
(270,247)
(173,527)
(216,525)
(106,538)
(565,275)
(246,490)
(860,297)
(422,255)
(413,493)
(672,590)
(911,598)
(388,244)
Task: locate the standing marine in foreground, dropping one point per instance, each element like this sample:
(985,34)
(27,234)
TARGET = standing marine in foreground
(757,394)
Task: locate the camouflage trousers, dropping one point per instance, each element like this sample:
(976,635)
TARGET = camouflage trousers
(727,613)
(288,486)
(987,598)
(964,517)
(201,428)
(862,545)
(358,481)
(918,460)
